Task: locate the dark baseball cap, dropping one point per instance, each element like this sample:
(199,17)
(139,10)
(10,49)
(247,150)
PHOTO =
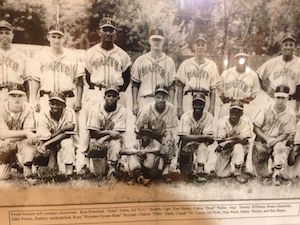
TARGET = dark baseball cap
(57,29)
(161,88)
(237,105)
(112,87)
(57,96)
(282,91)
(242,52)
(157,33)
(5,24)
(201,37)
(107,22)
(16,89)
(288,36)
(199,96)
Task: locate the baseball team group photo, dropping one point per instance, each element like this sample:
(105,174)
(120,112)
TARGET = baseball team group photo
(201,96)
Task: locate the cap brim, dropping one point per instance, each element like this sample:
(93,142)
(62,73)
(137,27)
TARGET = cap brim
(237,107)
(280,94)
(113,90)
(17,92)
(241,55)
(108,25)
(156,36)
(56,32)
(162,90)
(7,27)
(57,98)
(289,38)
(199,99)
(201,39)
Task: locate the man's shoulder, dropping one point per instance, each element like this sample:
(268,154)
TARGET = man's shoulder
(210,61)
(93,49)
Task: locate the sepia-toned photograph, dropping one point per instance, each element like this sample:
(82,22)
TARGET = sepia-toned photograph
(122,101)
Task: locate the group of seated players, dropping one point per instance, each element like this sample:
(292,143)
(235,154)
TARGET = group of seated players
(265,146)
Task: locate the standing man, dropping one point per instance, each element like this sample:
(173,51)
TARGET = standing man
(233,134)
(197,74)
(272,127)
(195,131)
(150,69)
(238,83)
(13,63)
(283,69)
(160,116)
(106,124)
(106,63)
(17,127)
(57,69)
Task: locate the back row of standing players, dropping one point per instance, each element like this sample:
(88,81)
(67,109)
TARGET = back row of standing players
(54,82)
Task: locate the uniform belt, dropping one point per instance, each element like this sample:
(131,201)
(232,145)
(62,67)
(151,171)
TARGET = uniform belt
(192,92)
(93,85)
(67,94)
(148,96)
(292,97)
(3,86)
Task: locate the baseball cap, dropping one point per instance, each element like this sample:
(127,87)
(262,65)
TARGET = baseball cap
(16,89)
(161,88)
(199,96)
(157,33)
(282,91)
(6,24)
(201,37)
(57,29)
(112,87)
(237,105)
(241,53)
(57,96)
(107,22)
(288,36)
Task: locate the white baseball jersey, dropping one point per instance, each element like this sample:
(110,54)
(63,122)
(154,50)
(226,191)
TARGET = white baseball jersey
(149,72)
(188,124)
(46,125)
(57,73)
(243,129)
(273,123)
(17,121)
(239,85)
(100,119)
(281,72)
(13,67)
(198,76)
(149,115)
(106,67)
(297,135)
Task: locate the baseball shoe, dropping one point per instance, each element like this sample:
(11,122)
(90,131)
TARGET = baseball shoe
(276,181)
(200,179)
(240,179)
(111,178)
(31,180)
(142,180)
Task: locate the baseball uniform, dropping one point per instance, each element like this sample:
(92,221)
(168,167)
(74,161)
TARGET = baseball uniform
(149,72)
(197,77)
(274,124)
(21,149)
(228,160)
(46,126)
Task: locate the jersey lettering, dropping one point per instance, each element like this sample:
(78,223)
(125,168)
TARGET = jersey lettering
(200,74)
(109,61)
(284,73)
(7,61)
(57,67)
(154,68)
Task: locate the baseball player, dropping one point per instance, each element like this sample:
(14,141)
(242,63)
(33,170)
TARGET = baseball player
(197,74)
(13,63)
(57,69)
(160,115)
(233,134)
(272,127)
(56,129)
(150,69)
(17,137)
(293,168)
(283,69)
(195,131)
(238,83)
(106,124)
(106,63)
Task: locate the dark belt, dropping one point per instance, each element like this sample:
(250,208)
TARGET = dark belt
(192,92)
(93,85)
(67,94)
(3,86)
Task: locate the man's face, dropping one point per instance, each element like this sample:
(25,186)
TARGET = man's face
(56,106)
(281,102)
(145,141)
(156,43)
(111,98)
(241,61)
(198,106)
(56,41)
(160,100)
(287,47)
(107,34)
(16,100)
(235,115)
(200,47)
(6,37)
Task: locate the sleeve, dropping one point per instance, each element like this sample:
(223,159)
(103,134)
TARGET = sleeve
(29,121)
(120,123)
(79,66)
(221,130)
(215,81)
(88,61)
(171,118)
(71,119)
(3,125)
(297,135)
(126,62)
(142,117)
(172,72)
(256,85)
(42,128)
(34,68)
(184,127)
(220,86)
(290,126)
(262,71)
(180,75)
(259,119)
(94,120)
(135,76)
(26,70)
(246,129)
(208,128)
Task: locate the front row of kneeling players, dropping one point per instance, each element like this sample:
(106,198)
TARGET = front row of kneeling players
(47,141)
